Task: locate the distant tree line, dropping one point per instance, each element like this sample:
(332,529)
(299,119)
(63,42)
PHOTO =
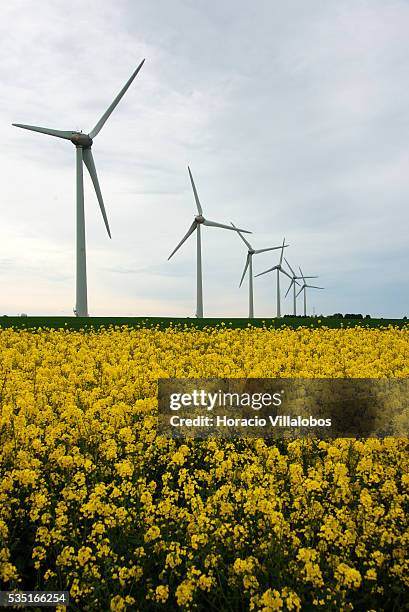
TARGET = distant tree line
(337,315)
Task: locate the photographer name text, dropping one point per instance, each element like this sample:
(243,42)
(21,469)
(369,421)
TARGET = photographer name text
(256,421)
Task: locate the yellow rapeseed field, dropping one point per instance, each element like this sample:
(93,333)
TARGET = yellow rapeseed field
(93,501)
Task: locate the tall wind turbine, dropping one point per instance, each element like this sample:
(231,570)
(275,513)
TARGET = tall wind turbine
(294,282)
(83,144)
(249,265)
(304,288)
(279,269)
(198,221)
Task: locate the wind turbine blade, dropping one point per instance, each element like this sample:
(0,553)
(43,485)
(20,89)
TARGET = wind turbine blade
(269,270)
(42,130)
(242,237)
(269,249)
(95,131)
(89,162)
(302,289)
(284,272)
(199,207)
(282,252)
(245,268)
(292,271)
(314,287)
(302,274)
(311,277)
(290,285)
(185,237)
(214,224)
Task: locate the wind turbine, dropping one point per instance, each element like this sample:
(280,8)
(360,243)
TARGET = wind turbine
(304,288)
(249,265)
(294,282)
(83,144)
(279,269)
(198,221)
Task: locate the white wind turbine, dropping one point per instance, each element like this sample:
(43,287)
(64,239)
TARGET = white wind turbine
(83,144)
(197,222)
(279,269)
(294,282)
(249,265)
(304,288)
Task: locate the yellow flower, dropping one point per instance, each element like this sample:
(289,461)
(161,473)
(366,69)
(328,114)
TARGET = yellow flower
(118,604)
(184,592)
(124,468)
(371,574)
(162,593)
(8,572)
(242,566)
(84,555)
(271,600)
(250,582)
(153,533)
(348,576)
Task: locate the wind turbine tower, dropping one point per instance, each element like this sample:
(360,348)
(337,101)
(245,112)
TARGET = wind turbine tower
(294,282)
(198,221)
(83,143)
(304,288)
(281,270)
(249,265)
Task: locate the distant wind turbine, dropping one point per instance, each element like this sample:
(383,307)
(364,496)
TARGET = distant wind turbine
(197,222)
(294,282)
(83,144)
(249,265)
(279,269)
(304,288)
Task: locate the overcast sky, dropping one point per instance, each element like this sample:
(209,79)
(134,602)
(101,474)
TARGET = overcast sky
(294,118)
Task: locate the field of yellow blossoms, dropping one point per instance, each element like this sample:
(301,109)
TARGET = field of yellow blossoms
(92,501)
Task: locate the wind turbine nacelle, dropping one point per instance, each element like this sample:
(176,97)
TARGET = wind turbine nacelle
(199,219)
(81,140)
